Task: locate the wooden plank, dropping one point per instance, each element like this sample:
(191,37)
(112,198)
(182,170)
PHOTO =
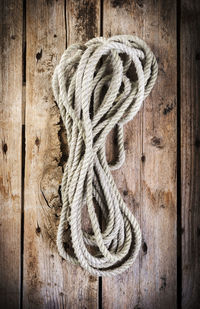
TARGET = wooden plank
(190,152)
(83,20)
(83,23)
(148,178)
(122,291)
(49,281)
(10,154)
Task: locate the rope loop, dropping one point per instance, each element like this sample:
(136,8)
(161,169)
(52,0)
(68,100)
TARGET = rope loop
(99,86)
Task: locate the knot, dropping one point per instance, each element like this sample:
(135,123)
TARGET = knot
(99,86)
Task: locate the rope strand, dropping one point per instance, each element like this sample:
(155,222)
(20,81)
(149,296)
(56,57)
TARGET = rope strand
(96,91)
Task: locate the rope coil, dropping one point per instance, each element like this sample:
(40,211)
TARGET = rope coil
(95,93)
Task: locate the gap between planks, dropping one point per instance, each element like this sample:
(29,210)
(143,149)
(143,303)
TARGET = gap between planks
(23,150)
(179,202)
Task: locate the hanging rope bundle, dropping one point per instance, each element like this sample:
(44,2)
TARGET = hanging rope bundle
(95,93)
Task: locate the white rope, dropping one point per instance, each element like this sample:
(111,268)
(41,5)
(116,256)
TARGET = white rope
(96,91)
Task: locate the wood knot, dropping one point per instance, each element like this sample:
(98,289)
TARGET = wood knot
(157,142)
(125,192)
(39,55)
(168,109)
(37,141)
(4,148)
(144,247)
(164,283)
(143,158)
(38,230)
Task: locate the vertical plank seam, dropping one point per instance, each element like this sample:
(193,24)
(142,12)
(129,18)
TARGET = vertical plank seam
(100,281)
(142,166)
(23,149)
(179,201)
(65,19)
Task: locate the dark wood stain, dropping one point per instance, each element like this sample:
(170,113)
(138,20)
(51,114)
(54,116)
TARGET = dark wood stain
(125,192)
(117,3)
(168,109)
(143,158)
(126,145)
(37,141)
(157,142)
(144,247)
(4,147)
(140,3)
(121,3)
(38,230)
(85,14)
(39,55)
(49,2)
(164,283)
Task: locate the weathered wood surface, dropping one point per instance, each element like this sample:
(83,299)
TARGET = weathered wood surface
(190,152)
(45,42)
(48,280)
(147,180)
(10,152)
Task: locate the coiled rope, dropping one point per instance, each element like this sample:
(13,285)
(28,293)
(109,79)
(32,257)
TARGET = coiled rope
(96,92)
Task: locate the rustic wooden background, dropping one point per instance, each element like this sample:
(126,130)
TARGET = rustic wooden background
(159,181)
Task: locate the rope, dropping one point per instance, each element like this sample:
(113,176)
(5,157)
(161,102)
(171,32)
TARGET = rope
(96,92)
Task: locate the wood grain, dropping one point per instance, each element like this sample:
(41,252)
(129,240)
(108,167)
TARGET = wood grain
(11,15)
(83,23)
(83,20)
(49,281)
(148,178)
(43,269)
(190,152)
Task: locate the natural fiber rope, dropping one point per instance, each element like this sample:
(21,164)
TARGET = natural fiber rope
(96,92)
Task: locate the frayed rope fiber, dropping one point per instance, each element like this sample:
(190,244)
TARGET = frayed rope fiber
(99,86)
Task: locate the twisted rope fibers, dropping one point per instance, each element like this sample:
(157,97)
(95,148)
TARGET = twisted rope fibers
(95,93)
